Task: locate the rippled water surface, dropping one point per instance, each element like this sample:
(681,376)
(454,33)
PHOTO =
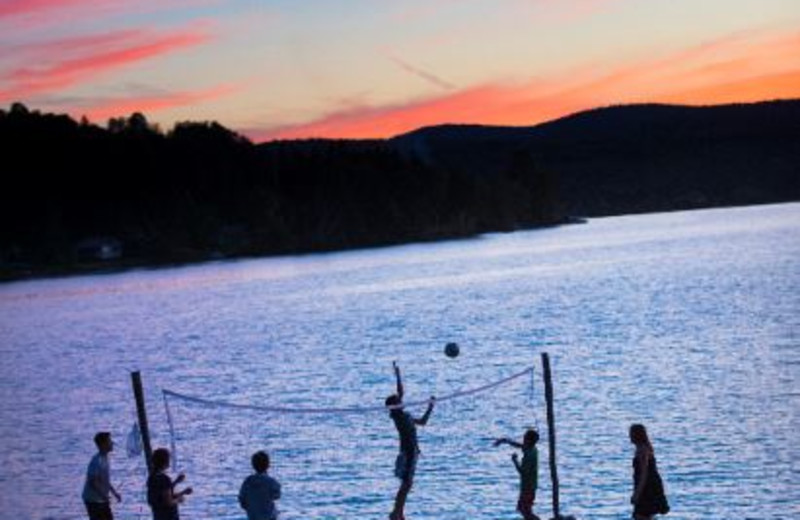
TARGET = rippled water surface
(688,322)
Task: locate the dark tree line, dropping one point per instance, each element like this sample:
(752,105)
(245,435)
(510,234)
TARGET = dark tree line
(200,191)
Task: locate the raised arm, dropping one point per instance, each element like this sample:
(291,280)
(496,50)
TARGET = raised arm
(506,440)
(399,380)
(422,421)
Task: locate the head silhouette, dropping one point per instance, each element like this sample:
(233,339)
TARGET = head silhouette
(103,442)
(260,461)
(531,437)
(160,459)
(393,400)
(638,435)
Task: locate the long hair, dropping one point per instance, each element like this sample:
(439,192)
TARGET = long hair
(638,434)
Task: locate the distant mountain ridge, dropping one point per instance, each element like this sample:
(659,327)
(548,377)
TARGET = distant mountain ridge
(638,158)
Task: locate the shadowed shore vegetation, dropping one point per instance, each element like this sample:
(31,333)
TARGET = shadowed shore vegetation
(200,191)
(79,197)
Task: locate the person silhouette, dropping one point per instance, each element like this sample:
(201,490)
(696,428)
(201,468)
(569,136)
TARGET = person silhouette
(161,495)
(98,486)
(528,471)
(259,491)
(406,462)
(648,496)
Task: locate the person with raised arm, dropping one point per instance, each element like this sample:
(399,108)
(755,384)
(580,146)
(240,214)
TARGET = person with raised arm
(528,471)
(406,462)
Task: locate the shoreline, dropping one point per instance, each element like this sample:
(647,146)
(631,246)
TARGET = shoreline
(22,273)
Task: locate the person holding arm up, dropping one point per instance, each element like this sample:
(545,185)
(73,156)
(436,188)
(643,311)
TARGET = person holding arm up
(528,471)
(406,461)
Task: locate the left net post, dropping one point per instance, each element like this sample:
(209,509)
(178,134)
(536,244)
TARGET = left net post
(141,411)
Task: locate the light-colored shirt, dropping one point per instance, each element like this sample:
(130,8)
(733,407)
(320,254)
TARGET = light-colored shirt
(98,480)
(257,496)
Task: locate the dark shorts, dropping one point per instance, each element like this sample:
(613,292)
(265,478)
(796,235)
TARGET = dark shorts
(99,511)
(525,502)
(405,466)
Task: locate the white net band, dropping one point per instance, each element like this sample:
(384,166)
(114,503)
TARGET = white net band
(346,410)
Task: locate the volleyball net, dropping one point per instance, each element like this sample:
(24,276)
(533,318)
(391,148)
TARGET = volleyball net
(337,462)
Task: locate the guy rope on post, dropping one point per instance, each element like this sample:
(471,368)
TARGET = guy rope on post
(141,411)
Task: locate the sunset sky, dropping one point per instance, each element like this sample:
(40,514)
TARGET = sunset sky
(376,68)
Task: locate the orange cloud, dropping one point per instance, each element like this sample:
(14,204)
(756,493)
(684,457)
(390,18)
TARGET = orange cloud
(784,85)
(738,68)
(56,65)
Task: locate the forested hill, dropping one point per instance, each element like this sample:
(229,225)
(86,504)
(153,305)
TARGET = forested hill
(76,196)
(75,193)
(639,158)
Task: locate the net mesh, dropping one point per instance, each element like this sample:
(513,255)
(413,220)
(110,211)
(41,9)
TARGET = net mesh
(336,463)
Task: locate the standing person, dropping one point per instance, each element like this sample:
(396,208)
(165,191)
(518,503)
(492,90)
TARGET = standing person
(98,481)
(648,497)
(528,471)
(161,493)
(259,492)
(406,463)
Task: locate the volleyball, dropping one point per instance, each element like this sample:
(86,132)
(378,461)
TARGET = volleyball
(451,350)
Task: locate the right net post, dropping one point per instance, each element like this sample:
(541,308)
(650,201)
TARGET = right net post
(551,431)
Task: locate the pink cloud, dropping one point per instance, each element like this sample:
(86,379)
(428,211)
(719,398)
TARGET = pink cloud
(10,8)
(100,111)
(706,74)
(43,11)
(53,66)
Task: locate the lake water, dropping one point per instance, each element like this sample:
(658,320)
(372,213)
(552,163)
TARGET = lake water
(688,322)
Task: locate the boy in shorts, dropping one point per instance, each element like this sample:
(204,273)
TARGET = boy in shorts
(528,471)
(406,462)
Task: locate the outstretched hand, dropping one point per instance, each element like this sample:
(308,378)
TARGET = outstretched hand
(498,442)
(180,478)
(514,457)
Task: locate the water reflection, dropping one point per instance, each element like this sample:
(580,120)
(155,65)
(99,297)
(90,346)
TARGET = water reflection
(687,322)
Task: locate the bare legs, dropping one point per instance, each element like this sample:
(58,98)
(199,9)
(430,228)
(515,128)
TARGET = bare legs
(400,500)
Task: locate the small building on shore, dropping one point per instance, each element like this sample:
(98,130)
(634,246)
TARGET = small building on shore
(98,249)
